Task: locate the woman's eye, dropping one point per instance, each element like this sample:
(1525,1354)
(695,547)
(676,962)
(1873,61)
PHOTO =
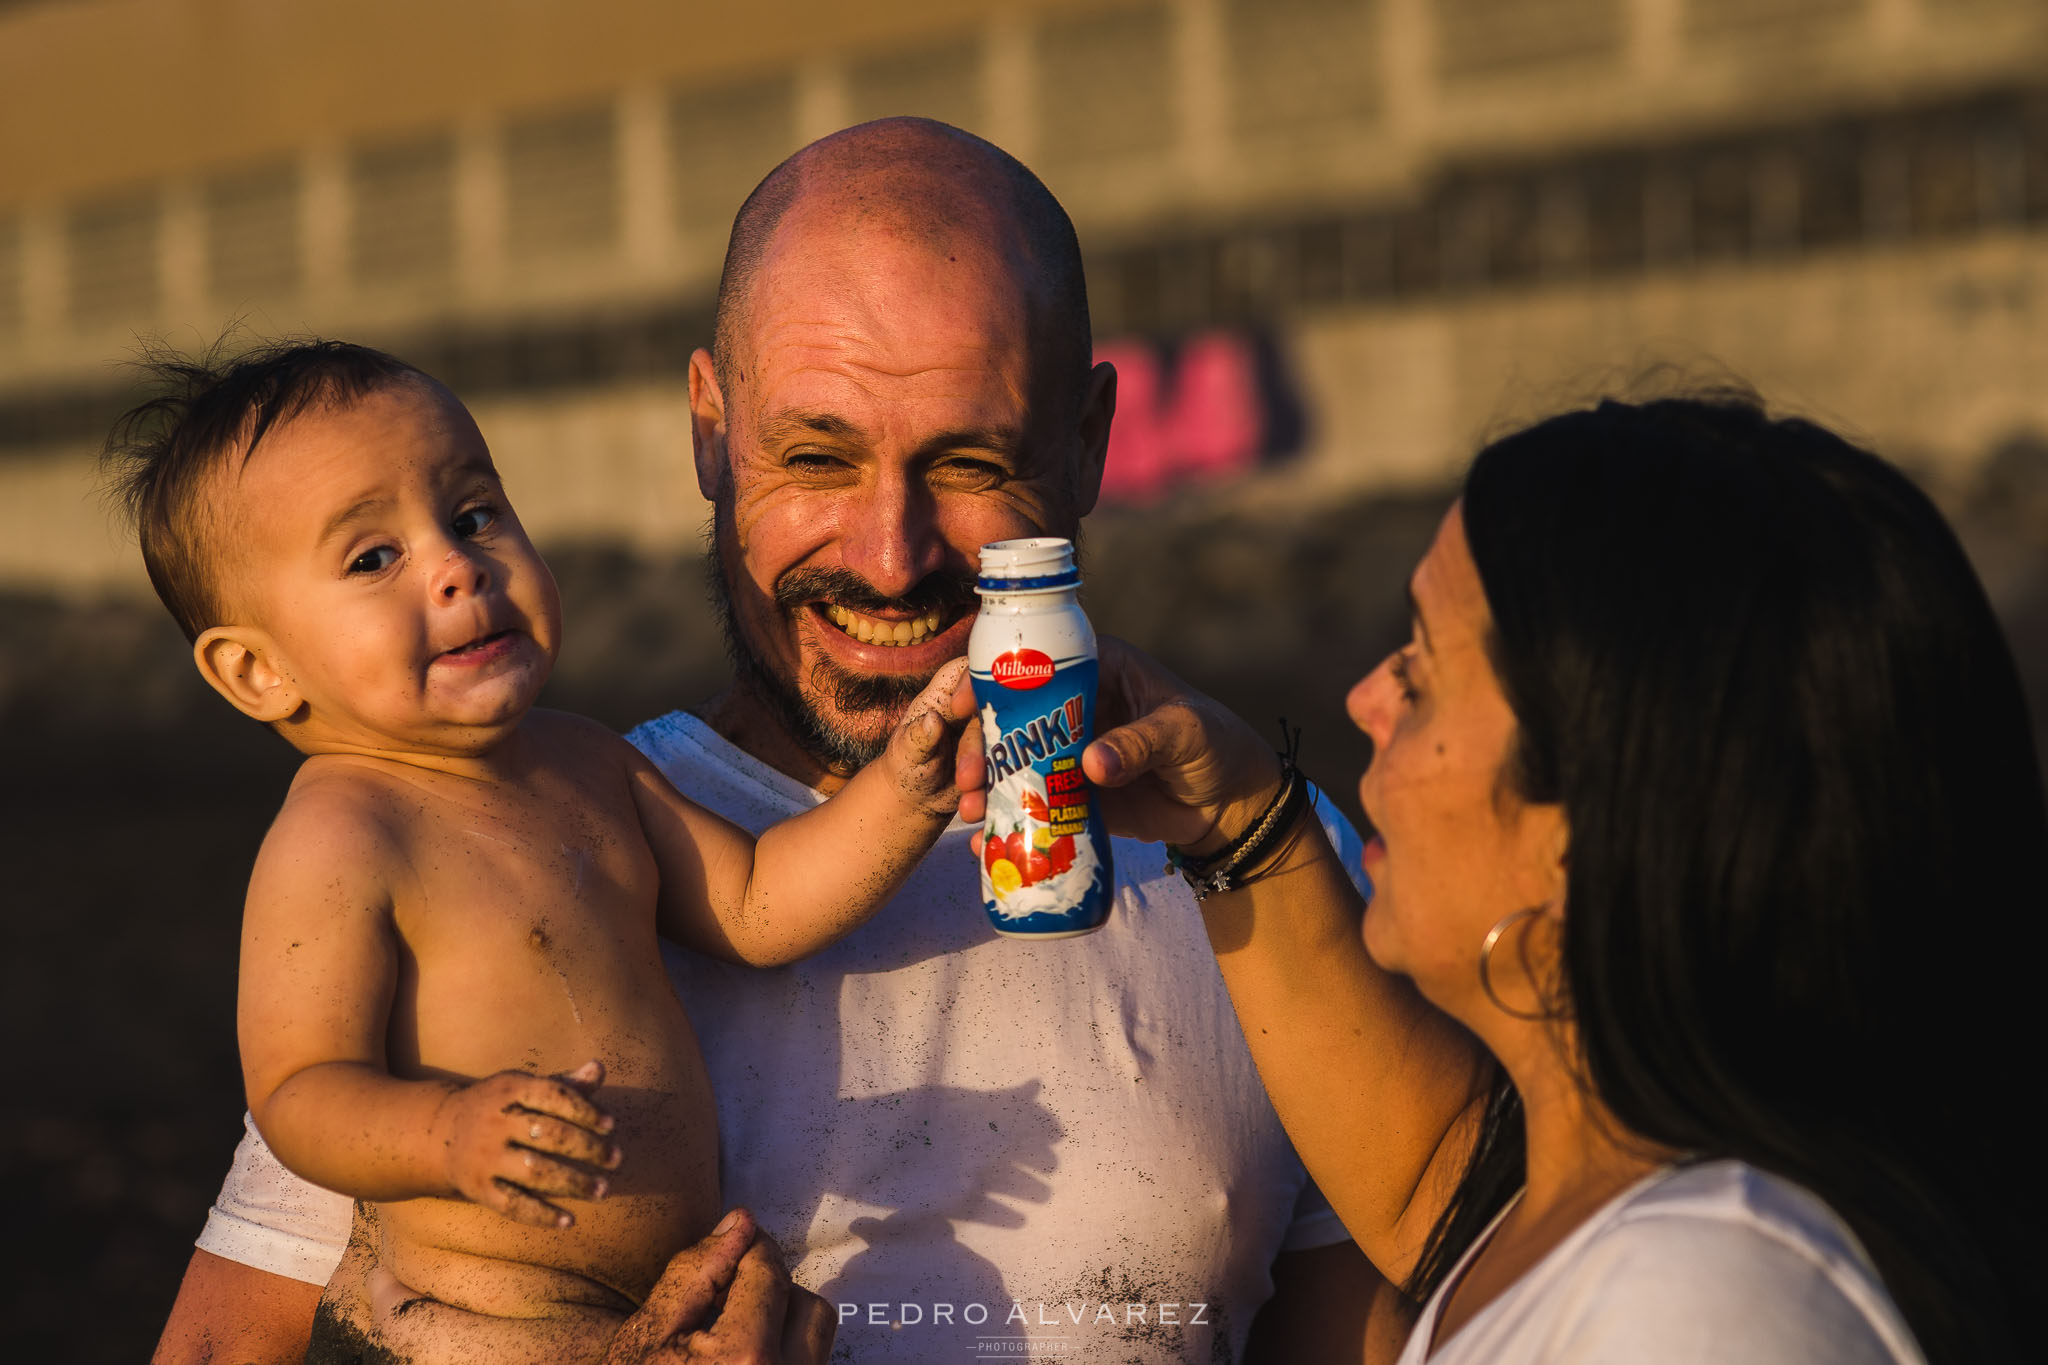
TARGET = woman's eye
(374,561)
(473,521)
(1398,666)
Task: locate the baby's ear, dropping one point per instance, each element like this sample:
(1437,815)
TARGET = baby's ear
(241,663)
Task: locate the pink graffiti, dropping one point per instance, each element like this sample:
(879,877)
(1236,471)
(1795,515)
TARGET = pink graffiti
(1202,420)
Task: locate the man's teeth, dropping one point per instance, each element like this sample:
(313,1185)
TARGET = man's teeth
(871,631)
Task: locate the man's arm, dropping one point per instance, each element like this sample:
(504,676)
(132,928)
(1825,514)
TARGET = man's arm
(227,1313)
(1329,1304)
(814,877)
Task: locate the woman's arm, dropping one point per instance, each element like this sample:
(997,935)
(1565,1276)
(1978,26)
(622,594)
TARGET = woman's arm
(1376,1087)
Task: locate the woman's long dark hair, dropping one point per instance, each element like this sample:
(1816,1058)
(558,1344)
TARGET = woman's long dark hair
(1803,907)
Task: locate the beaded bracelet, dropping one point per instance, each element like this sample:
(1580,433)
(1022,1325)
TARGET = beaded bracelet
(1220,871)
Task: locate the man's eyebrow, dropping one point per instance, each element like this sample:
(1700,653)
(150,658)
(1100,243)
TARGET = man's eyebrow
(784,425)
(1005,441)
(1415,614)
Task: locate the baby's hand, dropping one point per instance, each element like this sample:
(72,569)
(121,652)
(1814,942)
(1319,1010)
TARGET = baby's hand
(515,1139)
(920,757)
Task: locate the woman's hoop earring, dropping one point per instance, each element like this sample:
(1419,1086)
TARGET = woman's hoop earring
(1493,937)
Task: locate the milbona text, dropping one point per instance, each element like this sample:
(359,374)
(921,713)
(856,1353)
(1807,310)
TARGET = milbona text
(1049,1315)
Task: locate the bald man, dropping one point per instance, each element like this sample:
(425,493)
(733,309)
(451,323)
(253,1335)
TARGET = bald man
(967,1144)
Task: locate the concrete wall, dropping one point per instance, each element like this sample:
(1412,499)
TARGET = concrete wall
(517,181)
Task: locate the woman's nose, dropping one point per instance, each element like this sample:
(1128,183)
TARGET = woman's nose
(1366,702)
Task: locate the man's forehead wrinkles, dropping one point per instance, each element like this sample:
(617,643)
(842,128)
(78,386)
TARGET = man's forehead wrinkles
(797,423)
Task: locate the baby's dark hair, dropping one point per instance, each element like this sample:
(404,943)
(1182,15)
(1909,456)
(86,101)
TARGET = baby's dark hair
(203,410)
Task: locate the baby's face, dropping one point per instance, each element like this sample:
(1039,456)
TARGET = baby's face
(377,550)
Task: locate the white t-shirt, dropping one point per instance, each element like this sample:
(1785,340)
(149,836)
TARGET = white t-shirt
(960,1140)
(1713,1264)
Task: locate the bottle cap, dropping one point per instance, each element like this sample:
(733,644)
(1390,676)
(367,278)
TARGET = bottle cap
(1037,564)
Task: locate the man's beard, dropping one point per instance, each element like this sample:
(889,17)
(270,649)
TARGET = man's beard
(813,727)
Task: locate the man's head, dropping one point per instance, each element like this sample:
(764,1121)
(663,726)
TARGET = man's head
(901,372)
(326,526)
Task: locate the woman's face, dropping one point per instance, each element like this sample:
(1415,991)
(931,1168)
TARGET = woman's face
(1457,849)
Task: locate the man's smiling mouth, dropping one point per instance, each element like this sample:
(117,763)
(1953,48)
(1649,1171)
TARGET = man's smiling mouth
(873,630)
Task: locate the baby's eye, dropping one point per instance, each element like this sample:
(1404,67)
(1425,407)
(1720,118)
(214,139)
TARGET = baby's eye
(374,561)
(473,521)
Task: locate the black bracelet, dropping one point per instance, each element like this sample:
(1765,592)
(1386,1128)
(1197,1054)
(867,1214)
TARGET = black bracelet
(1226,869)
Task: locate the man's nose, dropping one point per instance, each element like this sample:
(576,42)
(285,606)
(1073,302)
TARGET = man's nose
(461,573)
(892,538)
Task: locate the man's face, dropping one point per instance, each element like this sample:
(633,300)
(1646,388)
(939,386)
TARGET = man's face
(882,428)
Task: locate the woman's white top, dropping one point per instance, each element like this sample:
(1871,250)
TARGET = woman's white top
(1713,1264)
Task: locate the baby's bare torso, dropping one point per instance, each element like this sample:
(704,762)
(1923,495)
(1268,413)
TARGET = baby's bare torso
(524,910)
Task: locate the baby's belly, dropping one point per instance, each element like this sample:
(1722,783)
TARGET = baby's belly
(662,1197)
(368,1313)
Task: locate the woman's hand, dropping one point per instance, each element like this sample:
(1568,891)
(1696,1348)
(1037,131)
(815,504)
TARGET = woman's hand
(1168,763)
(727,1300)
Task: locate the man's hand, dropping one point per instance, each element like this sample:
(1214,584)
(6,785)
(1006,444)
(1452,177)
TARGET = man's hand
(727,1299)
(514,1141)
(1168,763)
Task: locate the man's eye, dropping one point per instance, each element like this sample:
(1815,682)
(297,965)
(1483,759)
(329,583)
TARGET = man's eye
(374,561)
(473,521)
(974,471)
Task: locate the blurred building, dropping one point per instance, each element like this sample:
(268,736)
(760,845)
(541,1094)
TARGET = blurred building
(1330,242)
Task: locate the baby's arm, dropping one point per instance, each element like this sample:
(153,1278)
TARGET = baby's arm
(319,969)
(814,877)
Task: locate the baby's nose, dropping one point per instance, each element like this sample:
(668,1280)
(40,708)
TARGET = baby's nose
(460,574)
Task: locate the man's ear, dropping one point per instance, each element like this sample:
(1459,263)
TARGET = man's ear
(1098,410)
(707,427)
(241,663)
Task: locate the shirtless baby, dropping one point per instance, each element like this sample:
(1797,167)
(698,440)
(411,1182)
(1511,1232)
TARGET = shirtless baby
(456,909)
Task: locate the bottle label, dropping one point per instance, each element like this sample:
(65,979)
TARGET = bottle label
(1022,669)
(1045,866)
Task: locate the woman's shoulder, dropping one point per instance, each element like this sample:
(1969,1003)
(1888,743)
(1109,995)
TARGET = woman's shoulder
(1722,1261)
(1734,1202)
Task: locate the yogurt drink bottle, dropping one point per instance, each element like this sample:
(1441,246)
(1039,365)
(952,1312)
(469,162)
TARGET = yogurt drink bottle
(1045,866)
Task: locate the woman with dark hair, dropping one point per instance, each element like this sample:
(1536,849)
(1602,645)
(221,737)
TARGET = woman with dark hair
(1707,801)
